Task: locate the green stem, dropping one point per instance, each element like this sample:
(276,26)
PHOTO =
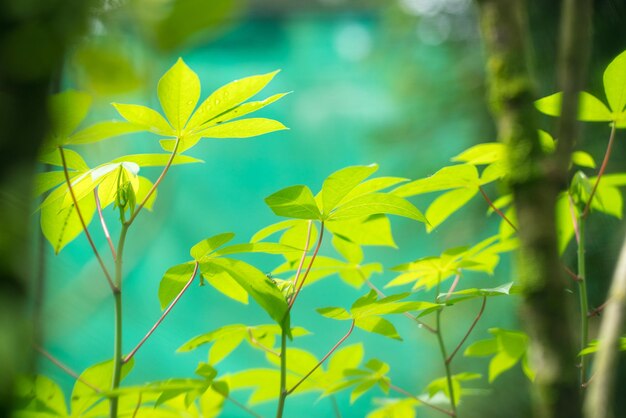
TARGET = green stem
(444,354)
(118,360)
(283,372)
(584,304)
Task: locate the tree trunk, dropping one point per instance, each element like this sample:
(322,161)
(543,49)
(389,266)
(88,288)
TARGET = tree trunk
(535,181)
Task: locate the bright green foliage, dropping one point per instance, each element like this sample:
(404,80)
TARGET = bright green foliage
(344,196)
(226,339)
(507,348)
(440,385)
(41,397)
(179,92)
(594,346)
(394,408)
(373,374)
(429,271)
(469,294)
(67,112)
(366,312)
(591,109)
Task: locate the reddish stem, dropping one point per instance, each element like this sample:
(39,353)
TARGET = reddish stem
(167,311)
(84,225)
(103,223)
(469,331)
(332,350)
(453,287)
(66,369)
(596,311)
(308,269)
(306,250)
(607,154)
(156,183)
(495,209)
(261,346)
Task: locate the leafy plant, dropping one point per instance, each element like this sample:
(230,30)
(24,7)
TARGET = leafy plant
(351,210)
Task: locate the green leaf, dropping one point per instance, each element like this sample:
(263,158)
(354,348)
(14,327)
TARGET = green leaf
(179,91)
(481,154)
(67,110)
(244,128)
(482,348)
(272,229)
(202,250)
(375,204)
(451,177)
(394,408)
(334,313)
(467,294)
(548,144)
(590,109)
(294,202)
(39,397)
(594,346)
(615,83)
(227,97)
(223,282)
(47,181)
(258,247)
(224,341)
(378,325)
(256,283)
(369,230)
(156,160)
(73,160)
(148,119)
(60,224)
(564,221)
(447,204)
(583,159)
(241,110)
(174,281)
(341,182)
(99,376)
(102,130)
(373,185)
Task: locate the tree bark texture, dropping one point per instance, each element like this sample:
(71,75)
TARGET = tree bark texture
(546,308)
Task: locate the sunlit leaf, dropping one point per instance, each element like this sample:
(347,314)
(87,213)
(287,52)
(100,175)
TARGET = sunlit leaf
(378,325)
(451,177)
(447,204)
(145,117)
(244,128)
(294,202)
(376,204)
(67,110)
(508,348)
(340,183)
(204,248)
(590,109)
(615,83)
(102,130)
(173,282)
(179,91)
(61,224)
(583,159)
(73,160)
(227,97)
(480,154)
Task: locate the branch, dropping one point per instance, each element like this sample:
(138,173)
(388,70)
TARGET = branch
(469,331)
(598,310)
(607,155)
(156,183)
(261,346)
(430,405)
(304,253)
(82,222)
(332,350)
(241,406)
(103,223)
(308,269)
(167,311)
(66,369)
(495,209)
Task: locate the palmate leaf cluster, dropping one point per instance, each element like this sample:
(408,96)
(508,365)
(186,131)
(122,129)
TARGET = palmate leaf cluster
(352,211)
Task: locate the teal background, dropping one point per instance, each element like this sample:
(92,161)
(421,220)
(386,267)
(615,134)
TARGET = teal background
(367,86)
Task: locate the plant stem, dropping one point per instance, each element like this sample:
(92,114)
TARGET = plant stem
(82,222)
(495,209)
(442,349)
(165,313)
(336,409)
(410,395)
(408,315)
(308,269)
(304,253)
(607,155)
(103,223)
(65,368)
(331,351)
(117,298)
(156,183)
(283,371)
(584,307)
(469,331)
(242,406)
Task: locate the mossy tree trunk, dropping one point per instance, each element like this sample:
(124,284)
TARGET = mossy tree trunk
(535,181)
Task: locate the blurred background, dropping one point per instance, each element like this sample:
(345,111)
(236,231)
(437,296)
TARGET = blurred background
(399,83)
